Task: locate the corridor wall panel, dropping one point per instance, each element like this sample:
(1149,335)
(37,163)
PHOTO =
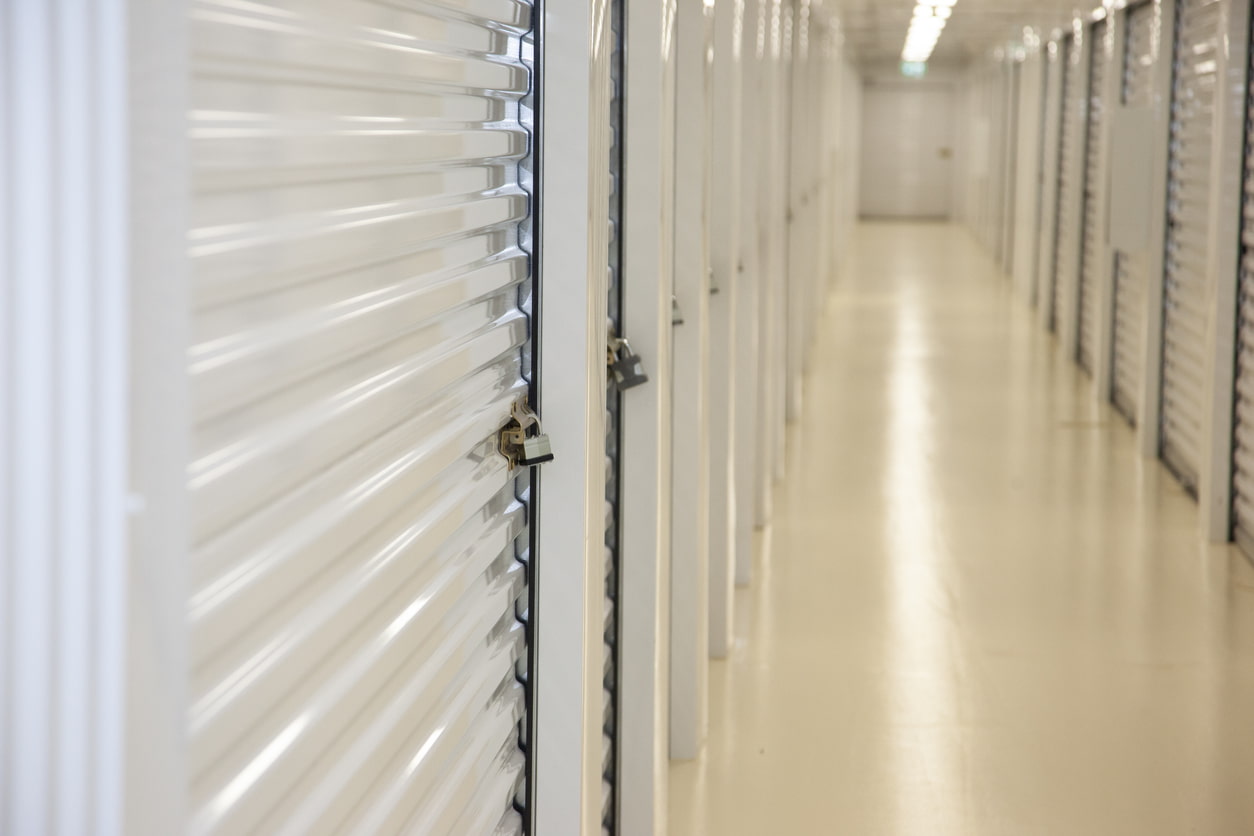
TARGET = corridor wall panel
(690,457)
(728,277)
(1186,284)
(81,554)
(1243,401)
(1070,178)
(1092,247)
(1051,137)
(361,300)
(1132,266)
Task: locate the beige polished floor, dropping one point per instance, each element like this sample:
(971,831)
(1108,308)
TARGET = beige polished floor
(979,613)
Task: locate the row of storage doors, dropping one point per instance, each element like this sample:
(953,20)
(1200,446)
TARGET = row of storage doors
(331,610)
(1085,256)
(1082,254)
(363,330)
(364,308)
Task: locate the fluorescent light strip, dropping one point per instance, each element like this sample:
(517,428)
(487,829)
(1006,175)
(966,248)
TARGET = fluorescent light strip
(926,26)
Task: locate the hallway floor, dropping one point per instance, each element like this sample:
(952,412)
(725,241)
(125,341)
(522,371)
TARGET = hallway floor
(978,612)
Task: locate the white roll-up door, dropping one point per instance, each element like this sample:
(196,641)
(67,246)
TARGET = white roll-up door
(613,442)
(1070,175)
(361,297)
(1132,267)
(1188,197)
(1091,247)
(1243,418)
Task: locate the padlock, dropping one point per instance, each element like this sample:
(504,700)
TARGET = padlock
(626,366)
(536,450)
(522,441)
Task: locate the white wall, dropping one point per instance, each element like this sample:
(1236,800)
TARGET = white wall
(908,167)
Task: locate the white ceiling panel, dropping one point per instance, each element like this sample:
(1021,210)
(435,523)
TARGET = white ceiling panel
(875,30)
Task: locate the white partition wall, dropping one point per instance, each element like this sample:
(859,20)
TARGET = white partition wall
(747,334)
(690,486)
(764,456)
(92,332)
(648,264)
(726,289)
(1029,173)
(1051,153)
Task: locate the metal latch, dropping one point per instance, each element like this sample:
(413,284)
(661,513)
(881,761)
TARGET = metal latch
(522,442)
(677,315)
(626,367)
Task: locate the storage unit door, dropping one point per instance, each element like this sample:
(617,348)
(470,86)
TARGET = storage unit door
(1069,176)
(1132,267)
(1243,423)
(1047,178)
(1185,290)
(1092,246)
(613,441)
(361,297)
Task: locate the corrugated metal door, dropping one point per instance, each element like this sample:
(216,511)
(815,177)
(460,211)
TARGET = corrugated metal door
(361,294)
(613,442)
(1243,418)
(1132,268)
(1188,196)
(1070,175)
(1092,249)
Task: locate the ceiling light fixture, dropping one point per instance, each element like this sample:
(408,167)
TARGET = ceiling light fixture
(926,25)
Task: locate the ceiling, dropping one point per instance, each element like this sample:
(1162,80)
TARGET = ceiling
(875,30)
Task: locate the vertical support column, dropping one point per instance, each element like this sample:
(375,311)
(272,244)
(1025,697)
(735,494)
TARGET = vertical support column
(690,525)
(1228,161)
(796,213)
(1149,414)
(92,405)
(648,283)
(1113,44)
(1056,58)
(724,303)
(1068,318)
(1027,175)
(574,201)
(781,95)
(748,302)
(765,94)
(156,779)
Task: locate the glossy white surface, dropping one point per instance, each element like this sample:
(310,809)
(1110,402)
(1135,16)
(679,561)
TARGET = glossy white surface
(728,286)
(1064,284)
(359,294)
(997,618)
(575,219)
(691,447)
(648,250)
(66,396)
